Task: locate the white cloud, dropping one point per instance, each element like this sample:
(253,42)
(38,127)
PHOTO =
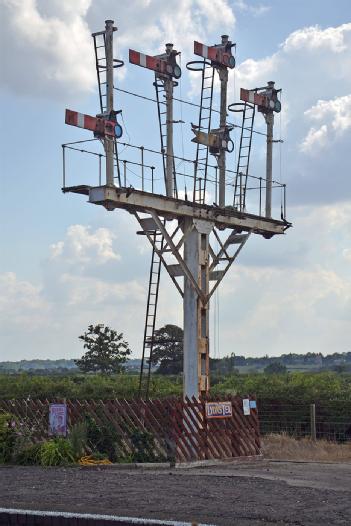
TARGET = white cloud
(21,304)
(77,288)
(297,300)
(285,310)
(84,290)
(216,13)
(315,38)
(338,110)
(304,61)
(48,47)
(252,9)
(313,67)
(52,54)
(336,116)
(315,139)
(82,246)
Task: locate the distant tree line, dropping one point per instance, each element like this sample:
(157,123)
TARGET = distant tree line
(107,352)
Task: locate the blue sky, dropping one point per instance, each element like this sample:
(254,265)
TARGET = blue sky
(65,264)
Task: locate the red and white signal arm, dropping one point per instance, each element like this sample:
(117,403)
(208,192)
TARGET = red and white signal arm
(254,98)
(269,103)
(217,54)
(158,64)
(145,61)
(95,124)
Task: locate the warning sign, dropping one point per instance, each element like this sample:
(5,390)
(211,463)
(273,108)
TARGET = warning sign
(219,409)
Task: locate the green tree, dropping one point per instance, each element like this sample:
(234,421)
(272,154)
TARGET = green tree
(107,351)
(167,353)
(275,368)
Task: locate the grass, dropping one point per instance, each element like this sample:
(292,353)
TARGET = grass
(283,447)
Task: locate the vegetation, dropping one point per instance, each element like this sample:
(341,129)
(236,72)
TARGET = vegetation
(275,368)
(287,386)
(78,437)
(29,455)
(144,448)
(107,351)
(99,439)
(56,452)
(167,353)
(310,362)
(39,366)
(7,437)
(288,448)
(83,386)
(102,438)
(302,362)
(307,387)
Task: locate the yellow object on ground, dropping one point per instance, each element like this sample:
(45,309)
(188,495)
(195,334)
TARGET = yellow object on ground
(89,460)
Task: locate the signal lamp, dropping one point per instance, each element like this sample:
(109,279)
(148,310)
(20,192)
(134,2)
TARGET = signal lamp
(118,131)
(231,62)
(277,106)
(230,146)
(177,72)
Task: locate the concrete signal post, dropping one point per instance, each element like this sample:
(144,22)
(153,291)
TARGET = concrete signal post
(199,264)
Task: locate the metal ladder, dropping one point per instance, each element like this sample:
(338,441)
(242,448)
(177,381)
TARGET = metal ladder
(155,266)
(162,121)
(204,125)
(150,318)
(242,170)
(100,63)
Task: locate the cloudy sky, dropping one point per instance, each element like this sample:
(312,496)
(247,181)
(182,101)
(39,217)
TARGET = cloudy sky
(65,264)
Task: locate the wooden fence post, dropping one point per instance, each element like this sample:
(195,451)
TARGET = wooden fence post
(313,422)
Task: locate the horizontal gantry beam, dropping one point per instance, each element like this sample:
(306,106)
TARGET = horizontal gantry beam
(137,201)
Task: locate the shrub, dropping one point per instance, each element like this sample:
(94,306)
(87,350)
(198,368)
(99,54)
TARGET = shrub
(103,438)
(7,438)
(29,455)
(144,447)
(56,452)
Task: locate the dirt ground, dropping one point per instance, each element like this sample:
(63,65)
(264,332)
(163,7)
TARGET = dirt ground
(255,493)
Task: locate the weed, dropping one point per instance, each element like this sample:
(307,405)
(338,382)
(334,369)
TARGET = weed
(56,452)
(78,439)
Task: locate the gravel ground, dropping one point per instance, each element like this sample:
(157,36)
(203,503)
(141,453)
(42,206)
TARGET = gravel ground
(255,493)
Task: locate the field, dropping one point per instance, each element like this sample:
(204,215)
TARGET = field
(307,387)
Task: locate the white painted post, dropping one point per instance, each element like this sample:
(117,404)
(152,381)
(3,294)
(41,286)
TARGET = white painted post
(109,142)
(196,319)
(269,159)
(223,76)
(169,126)
(191,258)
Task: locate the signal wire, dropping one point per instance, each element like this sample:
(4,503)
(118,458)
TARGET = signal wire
(185,102)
